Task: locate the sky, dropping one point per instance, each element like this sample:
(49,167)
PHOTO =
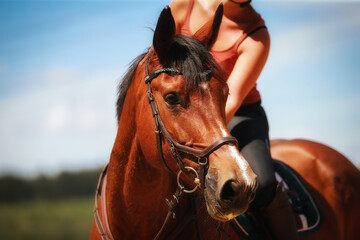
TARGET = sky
(62,60)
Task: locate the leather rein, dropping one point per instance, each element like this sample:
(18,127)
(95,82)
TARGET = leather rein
(201,157)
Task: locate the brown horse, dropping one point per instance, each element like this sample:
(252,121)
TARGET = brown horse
(191,159)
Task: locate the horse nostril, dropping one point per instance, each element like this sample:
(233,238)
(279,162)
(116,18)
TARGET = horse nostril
(230,190)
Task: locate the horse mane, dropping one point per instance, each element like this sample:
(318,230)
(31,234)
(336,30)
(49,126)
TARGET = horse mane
(186,54)
(125,84)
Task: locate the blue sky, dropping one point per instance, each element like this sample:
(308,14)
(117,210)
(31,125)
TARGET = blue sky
(61,62)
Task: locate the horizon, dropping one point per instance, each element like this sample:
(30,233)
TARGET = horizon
(61,62)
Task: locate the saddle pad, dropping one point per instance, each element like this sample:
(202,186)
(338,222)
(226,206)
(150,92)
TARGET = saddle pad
(306,212)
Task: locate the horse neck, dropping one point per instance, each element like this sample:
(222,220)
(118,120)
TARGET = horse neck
(135,190)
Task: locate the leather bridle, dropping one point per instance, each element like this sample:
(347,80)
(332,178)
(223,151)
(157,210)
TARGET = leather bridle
(201,157)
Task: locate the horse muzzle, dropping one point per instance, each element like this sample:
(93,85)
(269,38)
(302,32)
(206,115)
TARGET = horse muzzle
(229,196)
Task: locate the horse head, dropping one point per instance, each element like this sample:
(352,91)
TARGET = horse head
(187,93)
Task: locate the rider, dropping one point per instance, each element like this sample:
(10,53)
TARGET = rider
(242,49)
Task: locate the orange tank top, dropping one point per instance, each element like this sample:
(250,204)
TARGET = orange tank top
(227,58)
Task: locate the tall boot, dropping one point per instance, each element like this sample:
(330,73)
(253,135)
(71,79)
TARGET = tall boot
(279,218)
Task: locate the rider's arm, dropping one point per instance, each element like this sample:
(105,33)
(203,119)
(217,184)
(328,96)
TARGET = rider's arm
(178,10)
(253,53)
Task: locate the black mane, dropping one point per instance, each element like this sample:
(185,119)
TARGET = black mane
(125,84)
(186,54)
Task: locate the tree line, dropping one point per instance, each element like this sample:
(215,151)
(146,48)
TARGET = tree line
(64,185)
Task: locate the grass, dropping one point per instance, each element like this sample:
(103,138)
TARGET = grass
(47,219)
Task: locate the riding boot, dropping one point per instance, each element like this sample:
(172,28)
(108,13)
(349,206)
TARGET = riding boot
(278,216)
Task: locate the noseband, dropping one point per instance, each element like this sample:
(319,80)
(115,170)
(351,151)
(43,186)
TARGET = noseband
(201,156)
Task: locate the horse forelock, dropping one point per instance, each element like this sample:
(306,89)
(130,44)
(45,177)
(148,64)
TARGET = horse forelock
(186,54)
(192,58)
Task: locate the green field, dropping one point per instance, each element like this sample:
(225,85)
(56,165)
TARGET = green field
(47,219)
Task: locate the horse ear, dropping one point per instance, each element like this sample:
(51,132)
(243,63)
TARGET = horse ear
(208,33)
(164,33)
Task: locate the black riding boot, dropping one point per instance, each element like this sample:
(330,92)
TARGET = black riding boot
(278,217)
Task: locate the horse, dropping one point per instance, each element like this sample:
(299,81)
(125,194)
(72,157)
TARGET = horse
(175,172)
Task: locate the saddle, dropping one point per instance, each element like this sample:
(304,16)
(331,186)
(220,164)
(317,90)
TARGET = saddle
(306,212)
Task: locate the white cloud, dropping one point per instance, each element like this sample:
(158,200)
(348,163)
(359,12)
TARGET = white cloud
(60,75)
(88,118)
(59,126)
(51,77)
(56,118)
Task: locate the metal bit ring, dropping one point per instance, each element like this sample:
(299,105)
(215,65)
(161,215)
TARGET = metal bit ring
(197,180)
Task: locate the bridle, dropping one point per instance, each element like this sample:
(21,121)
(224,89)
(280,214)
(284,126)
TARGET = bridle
(201,156)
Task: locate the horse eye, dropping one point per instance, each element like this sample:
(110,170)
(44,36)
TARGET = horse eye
(172,99)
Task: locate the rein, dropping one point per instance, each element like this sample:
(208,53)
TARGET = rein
(201,157)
